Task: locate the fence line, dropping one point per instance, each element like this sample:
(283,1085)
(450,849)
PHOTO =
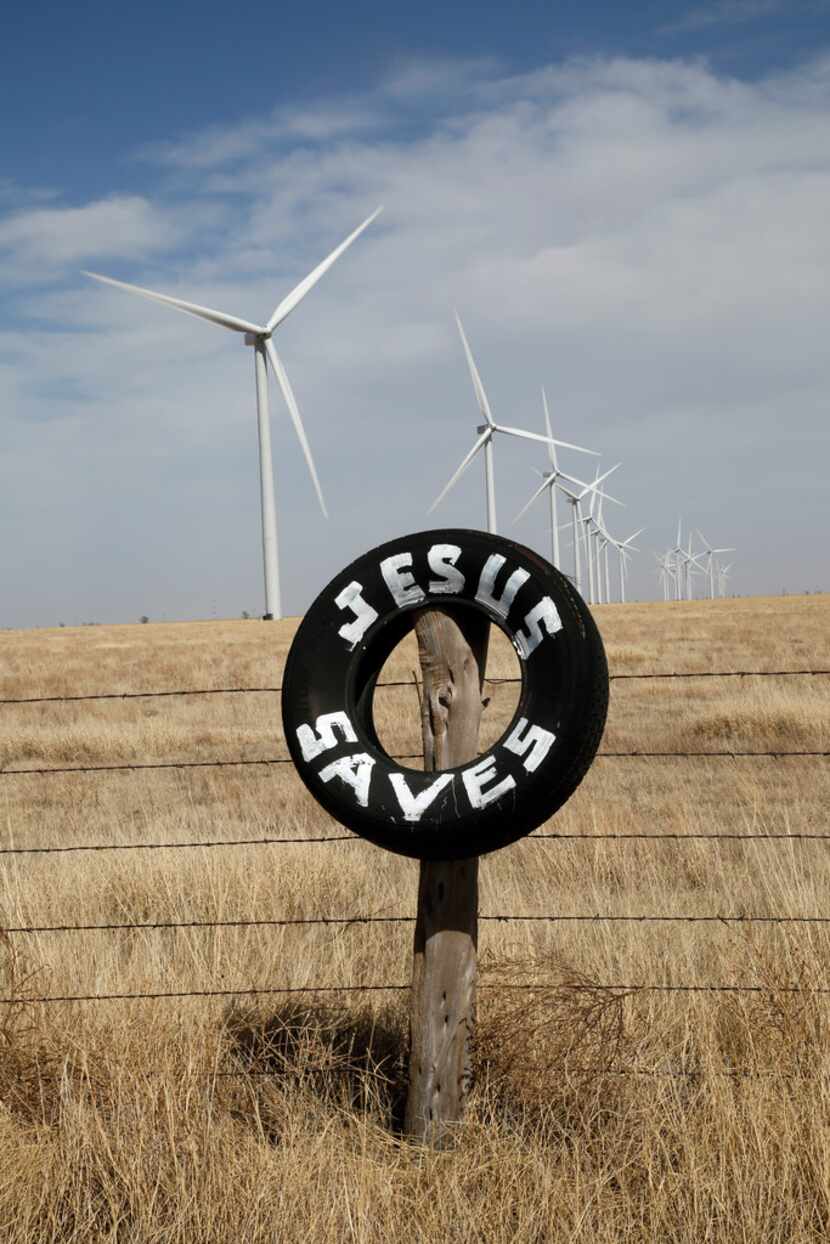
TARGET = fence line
(283,842)
(618,989)
(651,1072)
(291,921)
(268,762)
(149,695)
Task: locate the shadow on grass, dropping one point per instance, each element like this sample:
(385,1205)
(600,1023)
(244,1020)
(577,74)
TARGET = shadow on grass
(353,1060)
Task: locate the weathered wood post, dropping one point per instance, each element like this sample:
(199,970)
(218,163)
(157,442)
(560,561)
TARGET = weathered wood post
(452,650)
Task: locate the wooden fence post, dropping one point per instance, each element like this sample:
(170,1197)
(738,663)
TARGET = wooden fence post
(452,650)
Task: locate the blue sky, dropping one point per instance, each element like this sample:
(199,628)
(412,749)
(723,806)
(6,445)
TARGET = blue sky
(628,203)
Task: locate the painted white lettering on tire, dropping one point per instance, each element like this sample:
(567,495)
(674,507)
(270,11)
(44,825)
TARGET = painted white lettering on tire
(442,559)
(321,737)
(545,613)
(476,778)
(355,771)
(485,593)
(351,598)
(536,741)
(401,584)
(414,806)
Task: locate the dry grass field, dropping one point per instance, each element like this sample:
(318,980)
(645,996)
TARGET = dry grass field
(599,1114)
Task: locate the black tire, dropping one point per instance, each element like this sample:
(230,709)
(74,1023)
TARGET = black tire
(342,644)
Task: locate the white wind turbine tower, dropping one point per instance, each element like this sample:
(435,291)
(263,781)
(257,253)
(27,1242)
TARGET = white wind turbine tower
(624,550)
(259,336)
(693,566)
(486,432)
(596,541)
(667,573)
(592,554)
(723,576)
(550,480)
(574,499)
(710,553)
(687,563)
(603,539)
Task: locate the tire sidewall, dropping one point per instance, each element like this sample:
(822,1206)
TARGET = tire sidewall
(344,640)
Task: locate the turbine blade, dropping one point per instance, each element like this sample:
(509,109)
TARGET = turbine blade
(546,483)
(483,404)
(190,308)
(537,436)
(573,495)
(294,411)
(593,486)
(464,464)
(299,292)
(552,442)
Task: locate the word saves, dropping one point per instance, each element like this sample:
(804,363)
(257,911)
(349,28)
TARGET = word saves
(480,781)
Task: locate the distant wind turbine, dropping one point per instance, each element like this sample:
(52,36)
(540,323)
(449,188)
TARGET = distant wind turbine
(486,431)
(624,549)
(259,336)
(550,480)
(710,554)
(577,520)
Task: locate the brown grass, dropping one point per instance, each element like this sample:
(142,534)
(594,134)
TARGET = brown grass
(119,1121)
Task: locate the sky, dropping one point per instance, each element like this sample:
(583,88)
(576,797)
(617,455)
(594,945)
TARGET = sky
(627,204)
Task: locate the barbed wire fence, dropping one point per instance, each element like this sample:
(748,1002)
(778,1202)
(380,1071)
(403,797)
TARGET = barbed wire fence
(614,989)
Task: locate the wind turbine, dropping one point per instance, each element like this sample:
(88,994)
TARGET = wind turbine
(486,431)
(624,549)
(665,572)
(687,564)
(723,576)
(709,553)
(574,499)
(550,480)
(259,336)
(596,540)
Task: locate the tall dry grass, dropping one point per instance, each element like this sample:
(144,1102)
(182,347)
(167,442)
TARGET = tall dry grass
(601,1115)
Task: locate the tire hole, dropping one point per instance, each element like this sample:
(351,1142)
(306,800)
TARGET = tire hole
(397,709)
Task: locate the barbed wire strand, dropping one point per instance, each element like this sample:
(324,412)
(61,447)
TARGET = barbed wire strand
(502,918)
(701,1073)
(353,838)
(266,761)
(186,691)
(621,990)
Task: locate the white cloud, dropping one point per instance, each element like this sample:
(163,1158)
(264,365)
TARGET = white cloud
(727,12)
(647,238)
(223,145)
(124,225)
